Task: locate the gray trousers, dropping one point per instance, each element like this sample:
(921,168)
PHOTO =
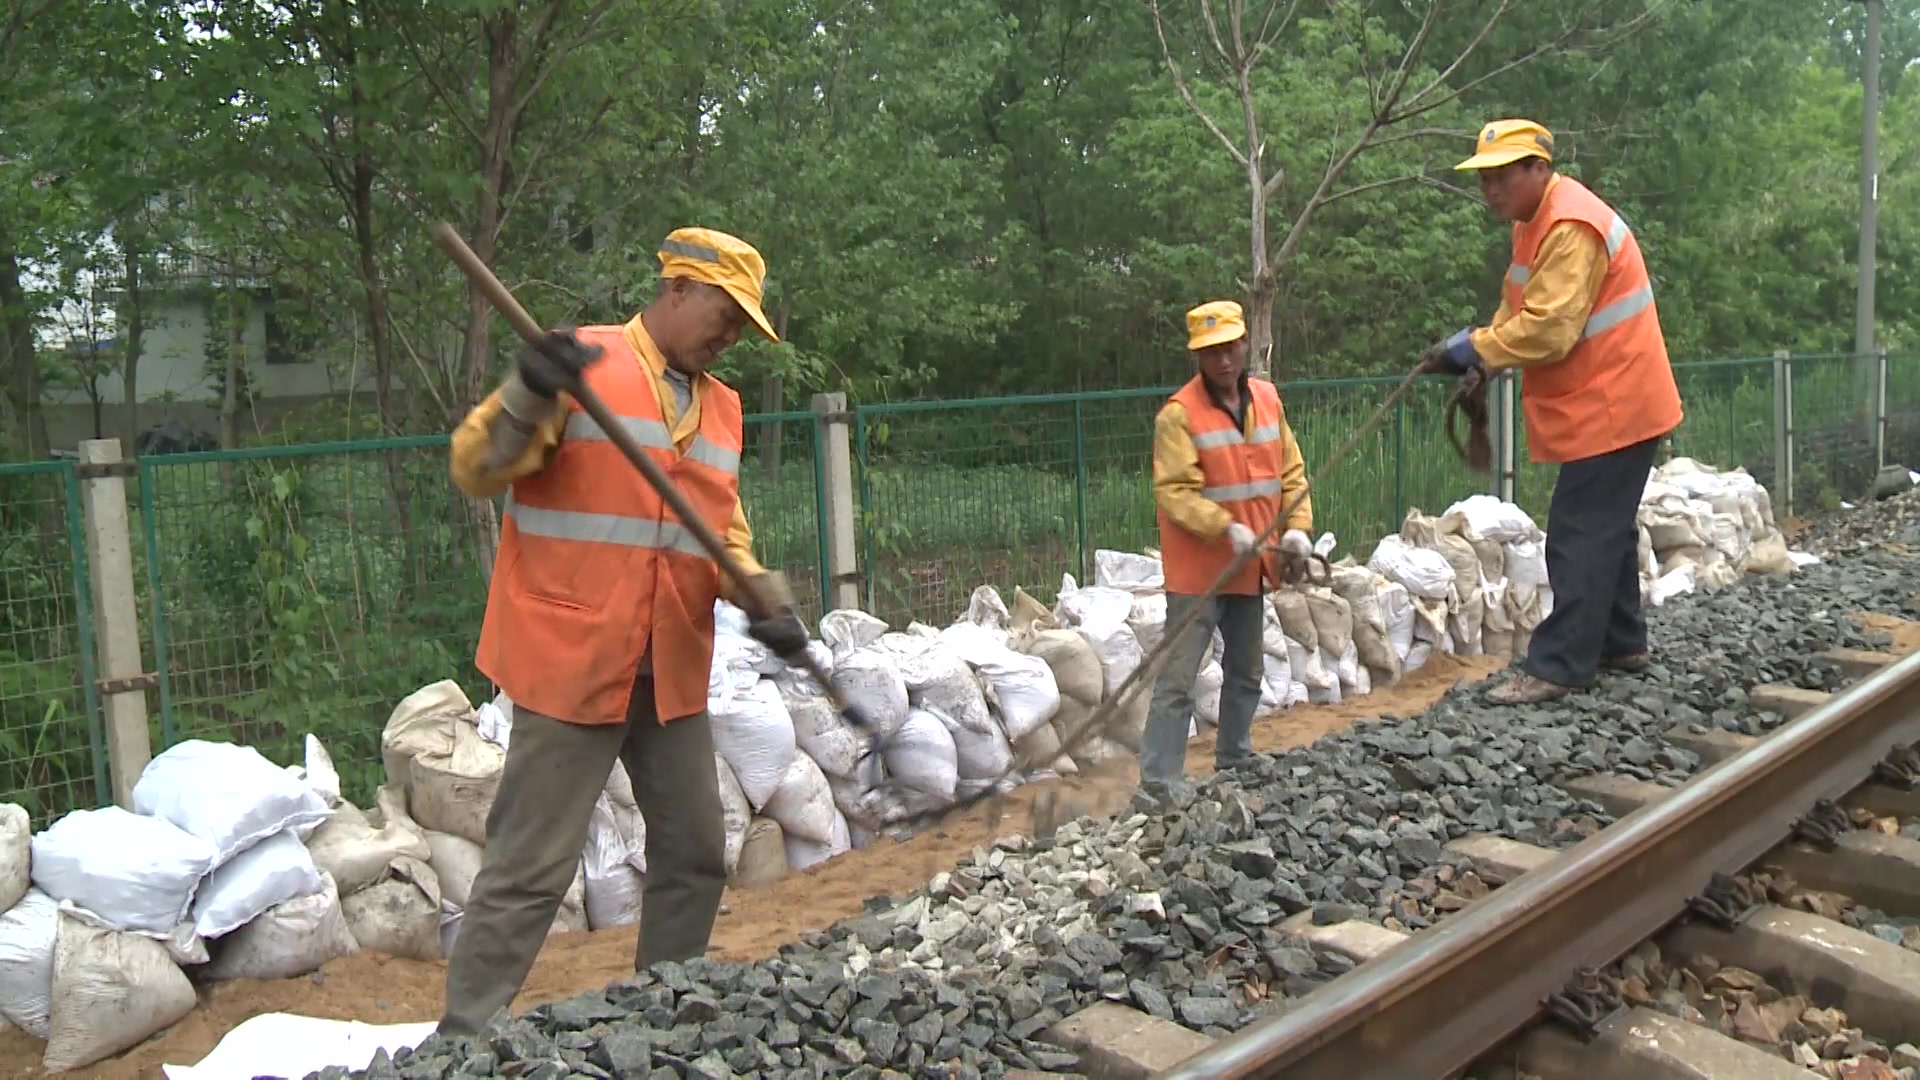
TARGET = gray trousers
(554,772)
(1240,619)
(1593,567)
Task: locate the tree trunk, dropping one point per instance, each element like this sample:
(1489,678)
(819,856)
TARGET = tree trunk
(133,327)
(231,375)
(1259,313)
(27,431)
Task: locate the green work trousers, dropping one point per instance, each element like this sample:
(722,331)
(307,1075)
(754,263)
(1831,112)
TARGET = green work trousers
(554,772)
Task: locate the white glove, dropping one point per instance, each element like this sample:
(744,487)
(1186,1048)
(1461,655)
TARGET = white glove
(1240,537)
(1295,543)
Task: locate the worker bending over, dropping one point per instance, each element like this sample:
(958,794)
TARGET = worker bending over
(599,621)
(1224,465)
(1577,317)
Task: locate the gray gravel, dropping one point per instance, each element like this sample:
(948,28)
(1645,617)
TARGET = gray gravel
(1176,911)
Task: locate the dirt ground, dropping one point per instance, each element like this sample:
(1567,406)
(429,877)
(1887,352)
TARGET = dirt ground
(754,923)
(1905,635)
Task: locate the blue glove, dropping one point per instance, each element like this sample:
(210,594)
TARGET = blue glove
(1459,352)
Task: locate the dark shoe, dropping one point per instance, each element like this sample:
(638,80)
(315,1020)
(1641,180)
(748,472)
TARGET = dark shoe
(1524,689)
(1632,663)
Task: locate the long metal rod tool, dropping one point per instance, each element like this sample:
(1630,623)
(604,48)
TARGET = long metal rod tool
(756,603)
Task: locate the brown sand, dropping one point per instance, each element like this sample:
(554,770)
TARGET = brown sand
(755,923)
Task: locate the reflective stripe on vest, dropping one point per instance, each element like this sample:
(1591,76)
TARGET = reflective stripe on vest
(653,435)
(1252,489)
(594,528)
(1602,319)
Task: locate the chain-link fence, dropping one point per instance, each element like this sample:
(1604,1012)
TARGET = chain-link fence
(283,591)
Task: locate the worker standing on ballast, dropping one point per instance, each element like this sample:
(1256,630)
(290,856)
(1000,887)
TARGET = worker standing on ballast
(599,621)
(1225,464)
(1577,317)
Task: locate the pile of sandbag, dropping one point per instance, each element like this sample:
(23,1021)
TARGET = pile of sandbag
(107,911)
(1702,528)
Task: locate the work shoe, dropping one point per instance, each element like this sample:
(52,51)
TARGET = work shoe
(1632,663)
(1524,689)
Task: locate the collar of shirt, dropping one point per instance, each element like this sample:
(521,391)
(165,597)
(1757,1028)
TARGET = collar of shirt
(683,425)
(1241,414)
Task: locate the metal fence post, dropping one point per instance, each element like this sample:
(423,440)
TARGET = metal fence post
(1083,571)
(1783,430)
(1880,409)
(1508,400)
(124,682)
(842,572)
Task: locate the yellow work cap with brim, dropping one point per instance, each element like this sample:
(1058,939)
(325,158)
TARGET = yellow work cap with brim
(714,257)
(1504,142)
(1215,324)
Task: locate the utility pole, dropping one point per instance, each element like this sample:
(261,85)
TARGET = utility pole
(1869,179)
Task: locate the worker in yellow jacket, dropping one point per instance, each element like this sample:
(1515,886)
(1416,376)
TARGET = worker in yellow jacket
(1225,464)
(1577,318)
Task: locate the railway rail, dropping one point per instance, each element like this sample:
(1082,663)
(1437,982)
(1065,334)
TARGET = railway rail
(1438,1002)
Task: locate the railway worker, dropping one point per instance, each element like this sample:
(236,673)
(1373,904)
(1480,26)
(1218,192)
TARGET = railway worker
(1225,464)
(599,621)
(1577,317)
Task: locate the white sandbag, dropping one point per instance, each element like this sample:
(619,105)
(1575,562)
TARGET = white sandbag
(939,679)
(1031,614)
(1332,620)
(355,854)
(1305,667)
(290,939)
(763,856)
(16,854)
(1493,518)
(1038,748)
(1100,614)
(399,915)
(850,792)
(1099,751)
(820,733)
(317,772)
(456,862)
(869,679)
(981,750)
(422,723)
(1148,620)
(803,853)
(111,991)
(735,811)
(572,916)
(798,680)
(1769,556)
(494,720)
(1206,694)
(803,803)
(1669,522)
(1139,574)
(28,930)
(921,755)
(753,732)
(1397,613)
(1290,608)
(451,790)
(1424,572)
(735,666)
(1418,656)
(134,872)
(1356,680)
(227,795)
(1128,725)
(1672,584)
(1023,688)
(1071,657)
(846,629)
(610,886)
(1526,562)
(985,608)
(270,872)
(1359,587)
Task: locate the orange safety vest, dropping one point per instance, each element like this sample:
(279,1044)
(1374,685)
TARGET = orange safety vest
(1240,470)
(1616,387)
(594,569)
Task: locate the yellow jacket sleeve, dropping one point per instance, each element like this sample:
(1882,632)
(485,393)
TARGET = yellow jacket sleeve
(1565,281)
(511,434)
(739,542)
(1177,480)
(1293,479)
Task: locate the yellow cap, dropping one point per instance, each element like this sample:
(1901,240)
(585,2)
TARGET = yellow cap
(719,259)
(1504,142)
(1215,324)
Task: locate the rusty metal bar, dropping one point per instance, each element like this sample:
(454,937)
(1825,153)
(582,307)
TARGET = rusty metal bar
(1442,999)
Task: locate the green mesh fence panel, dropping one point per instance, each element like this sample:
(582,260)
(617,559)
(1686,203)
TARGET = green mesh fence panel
(50,757)
(1903,409)
(1833,430)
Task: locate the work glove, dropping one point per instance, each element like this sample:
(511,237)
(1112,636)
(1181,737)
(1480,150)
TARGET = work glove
(1240,537)
(780,630)
(555,364)
(1454,356)
(1294,544)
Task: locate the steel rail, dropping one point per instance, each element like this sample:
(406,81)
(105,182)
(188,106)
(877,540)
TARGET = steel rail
(1437,1002)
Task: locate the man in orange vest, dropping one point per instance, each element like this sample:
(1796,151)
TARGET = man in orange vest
(1224,465)
(1577,318)
(600,617)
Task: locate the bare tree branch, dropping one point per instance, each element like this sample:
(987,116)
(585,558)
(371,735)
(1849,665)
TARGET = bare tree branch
(1411,57)
(1391,181)
(1186,92)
